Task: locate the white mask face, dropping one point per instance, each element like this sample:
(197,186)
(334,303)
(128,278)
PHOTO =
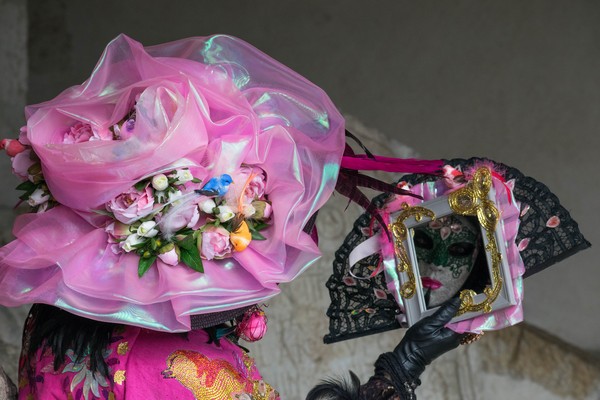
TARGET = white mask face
(446,251)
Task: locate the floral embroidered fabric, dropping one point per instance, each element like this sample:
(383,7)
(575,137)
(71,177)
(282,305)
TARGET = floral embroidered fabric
(148,364)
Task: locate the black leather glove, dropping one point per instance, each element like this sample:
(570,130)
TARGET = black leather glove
(423,342)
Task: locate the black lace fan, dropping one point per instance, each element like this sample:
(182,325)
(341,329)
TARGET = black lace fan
(361,307)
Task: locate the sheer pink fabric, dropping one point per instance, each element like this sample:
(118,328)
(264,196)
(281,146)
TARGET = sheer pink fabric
(210,104)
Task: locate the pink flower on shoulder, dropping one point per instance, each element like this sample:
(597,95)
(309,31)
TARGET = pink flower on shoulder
(215,243)
(132,205)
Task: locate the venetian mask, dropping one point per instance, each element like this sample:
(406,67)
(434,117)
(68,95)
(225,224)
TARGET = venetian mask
(446,251)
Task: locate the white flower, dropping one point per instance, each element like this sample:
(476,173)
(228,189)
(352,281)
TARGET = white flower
(160,196)
(182,176)
(207,206)
(248,210)
(39,196)
(160,182)
(225,213)
(131,241)
(146,229)
(174,196)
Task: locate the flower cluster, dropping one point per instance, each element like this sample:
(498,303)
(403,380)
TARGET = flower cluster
(171,217)
(26,165)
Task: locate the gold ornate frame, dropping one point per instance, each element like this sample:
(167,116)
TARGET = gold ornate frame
(473,199)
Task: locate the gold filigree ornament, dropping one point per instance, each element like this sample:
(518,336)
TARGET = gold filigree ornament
(473,200)
(398,228)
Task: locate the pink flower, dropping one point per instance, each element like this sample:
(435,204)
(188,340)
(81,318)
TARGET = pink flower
(256,187)
(118,230)
(182,215)
(215,243)
(253,326)
(263,209)
(78,133)
(125,131)
(23,136)
(12,147)
(21,164)
(132,205)
(170,257)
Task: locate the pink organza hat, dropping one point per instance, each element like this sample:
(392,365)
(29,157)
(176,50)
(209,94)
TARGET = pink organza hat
(179,179)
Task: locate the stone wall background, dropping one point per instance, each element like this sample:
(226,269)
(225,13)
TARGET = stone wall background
(515,81)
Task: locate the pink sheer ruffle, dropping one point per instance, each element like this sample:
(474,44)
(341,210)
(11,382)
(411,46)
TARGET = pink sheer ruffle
(210,104)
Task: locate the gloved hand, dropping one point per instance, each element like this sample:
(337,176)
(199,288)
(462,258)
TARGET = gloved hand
(423,342)
(428,339)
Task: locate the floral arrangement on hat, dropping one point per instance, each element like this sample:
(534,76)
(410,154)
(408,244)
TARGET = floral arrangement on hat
(177,180)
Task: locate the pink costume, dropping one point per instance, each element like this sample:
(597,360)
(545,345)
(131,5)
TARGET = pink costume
(147,364)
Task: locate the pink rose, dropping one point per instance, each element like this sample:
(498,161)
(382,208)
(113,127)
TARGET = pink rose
(21,164)
(253,326)
(23,136)
(169,257)
(78,133)
(263,209)
(12,147)
(256,187)
(132,205)
(215,243)
(117,230)
(182,215)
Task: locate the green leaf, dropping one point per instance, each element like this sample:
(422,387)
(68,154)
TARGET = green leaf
(27,185)
(257,236)
(141,185)
(104,212)
(191,258)
(260,226)
(188,243)
(196,180)
(145,264)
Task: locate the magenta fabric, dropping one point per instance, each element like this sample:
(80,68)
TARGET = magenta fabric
(209,104)
(146,364)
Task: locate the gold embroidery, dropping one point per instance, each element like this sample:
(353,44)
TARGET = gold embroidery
(119,377)
(264,391)
(123,348)
(215,379)
(205,378)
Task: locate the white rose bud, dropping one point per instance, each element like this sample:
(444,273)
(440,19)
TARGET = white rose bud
(225,213)
(131,241)
(39,196)
(248,210)
(207,206)
(160,182)
(183,176)
(146,229)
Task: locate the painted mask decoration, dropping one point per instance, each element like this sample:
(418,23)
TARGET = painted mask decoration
(446,252)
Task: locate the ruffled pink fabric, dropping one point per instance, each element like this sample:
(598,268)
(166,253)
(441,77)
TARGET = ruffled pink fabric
(211,104)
